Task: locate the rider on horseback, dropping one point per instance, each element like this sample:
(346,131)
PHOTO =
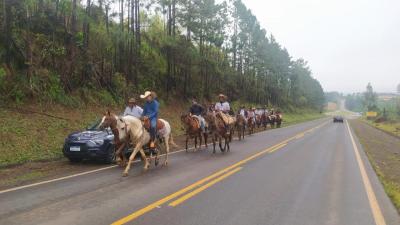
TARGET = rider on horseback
(133,109)
(223,108)
(243,112)
(222,105)
(151,112)
(252,114)
(197,110)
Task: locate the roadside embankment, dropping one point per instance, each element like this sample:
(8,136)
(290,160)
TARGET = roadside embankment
(383,151)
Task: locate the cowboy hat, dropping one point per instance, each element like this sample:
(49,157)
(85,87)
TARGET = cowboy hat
(146,94)
(132,100)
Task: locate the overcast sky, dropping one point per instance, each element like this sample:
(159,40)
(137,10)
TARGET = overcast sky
(347,43)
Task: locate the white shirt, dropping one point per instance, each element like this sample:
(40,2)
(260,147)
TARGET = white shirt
(250,114)
(242,112)
(224,107)
(135,111)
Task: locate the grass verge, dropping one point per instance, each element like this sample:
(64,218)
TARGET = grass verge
(390,127)
(383,152)
(32,137)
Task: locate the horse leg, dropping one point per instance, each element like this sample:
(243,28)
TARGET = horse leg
(227,145)
(187,139)
(205,139)
(220,144)
(214,143)
(166,141)
(201,139)
(131,158)
(120,157)
(195,143)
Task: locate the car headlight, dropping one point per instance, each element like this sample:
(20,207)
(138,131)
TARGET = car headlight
(93,143)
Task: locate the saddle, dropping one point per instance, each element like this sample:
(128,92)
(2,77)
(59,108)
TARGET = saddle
(160,124)
(197,121)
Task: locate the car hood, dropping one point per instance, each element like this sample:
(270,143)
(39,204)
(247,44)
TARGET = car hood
(90,135)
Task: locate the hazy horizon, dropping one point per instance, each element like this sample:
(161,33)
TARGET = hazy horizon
(346,43)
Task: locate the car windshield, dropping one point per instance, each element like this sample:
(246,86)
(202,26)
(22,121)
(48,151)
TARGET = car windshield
(94,125)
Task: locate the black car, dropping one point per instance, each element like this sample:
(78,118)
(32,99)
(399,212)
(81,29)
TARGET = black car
(91,143)
(338,119)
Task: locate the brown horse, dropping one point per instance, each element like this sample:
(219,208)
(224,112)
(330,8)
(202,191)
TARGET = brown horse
(240,126)
(218,131)
(258,121)
(193,130)
(250,125)
(278,120)
(264,120)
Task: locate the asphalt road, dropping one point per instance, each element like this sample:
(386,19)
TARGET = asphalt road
(310,173)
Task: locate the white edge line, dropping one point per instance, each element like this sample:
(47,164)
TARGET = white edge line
(373,201)
(106,168)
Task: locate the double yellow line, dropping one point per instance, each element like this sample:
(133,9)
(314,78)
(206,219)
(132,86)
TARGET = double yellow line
(202,184)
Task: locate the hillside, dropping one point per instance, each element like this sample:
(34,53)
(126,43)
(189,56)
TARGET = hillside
(102,52)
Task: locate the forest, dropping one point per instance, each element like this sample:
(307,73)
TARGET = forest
(69,51)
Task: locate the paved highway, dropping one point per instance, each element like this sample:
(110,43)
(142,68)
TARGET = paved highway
(310,173)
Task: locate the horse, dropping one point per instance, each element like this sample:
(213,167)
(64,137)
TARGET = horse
(119,126)
(258,121)
(193,130)
(278,120)
(264,120)
(250,125)
(240,126)
(218,131)
(131,130)
(271,120)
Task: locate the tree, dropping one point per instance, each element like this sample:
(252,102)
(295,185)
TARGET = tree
(370,98)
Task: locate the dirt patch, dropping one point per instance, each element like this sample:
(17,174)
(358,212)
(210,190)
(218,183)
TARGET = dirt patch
(383,150)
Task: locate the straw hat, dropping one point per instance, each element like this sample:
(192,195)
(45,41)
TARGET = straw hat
(132,100)
(222,96)
(146,94)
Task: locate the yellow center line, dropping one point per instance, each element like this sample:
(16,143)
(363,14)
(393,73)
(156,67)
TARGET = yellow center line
(162,201)
(373,202)
(202,188)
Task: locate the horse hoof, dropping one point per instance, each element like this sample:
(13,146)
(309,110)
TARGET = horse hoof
(125,174)
(156,162)
(165,163)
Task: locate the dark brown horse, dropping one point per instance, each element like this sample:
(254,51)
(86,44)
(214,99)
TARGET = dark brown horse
(250,125)
(264,120)
(258,121)
(193,130)
(218,131)
(240,126)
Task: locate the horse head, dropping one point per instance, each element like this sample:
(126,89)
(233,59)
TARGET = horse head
(117,125)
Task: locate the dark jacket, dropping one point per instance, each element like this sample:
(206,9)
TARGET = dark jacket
(196,109)
(151,109)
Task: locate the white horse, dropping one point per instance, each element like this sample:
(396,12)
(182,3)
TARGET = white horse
(131,129)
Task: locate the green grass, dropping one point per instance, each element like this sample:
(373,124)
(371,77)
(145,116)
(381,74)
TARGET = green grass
(301,116)
(392,127)
(34,137)
(392,189)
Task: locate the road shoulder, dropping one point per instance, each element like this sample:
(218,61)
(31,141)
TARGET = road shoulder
(383,152)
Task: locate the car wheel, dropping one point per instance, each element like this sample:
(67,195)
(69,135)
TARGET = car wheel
(110,157)
(75,160)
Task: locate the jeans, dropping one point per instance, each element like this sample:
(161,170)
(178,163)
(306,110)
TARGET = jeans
(153,129)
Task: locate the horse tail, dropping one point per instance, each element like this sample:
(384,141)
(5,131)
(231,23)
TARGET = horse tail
(171,141)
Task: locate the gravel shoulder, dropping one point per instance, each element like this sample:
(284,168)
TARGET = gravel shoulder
(383,151)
